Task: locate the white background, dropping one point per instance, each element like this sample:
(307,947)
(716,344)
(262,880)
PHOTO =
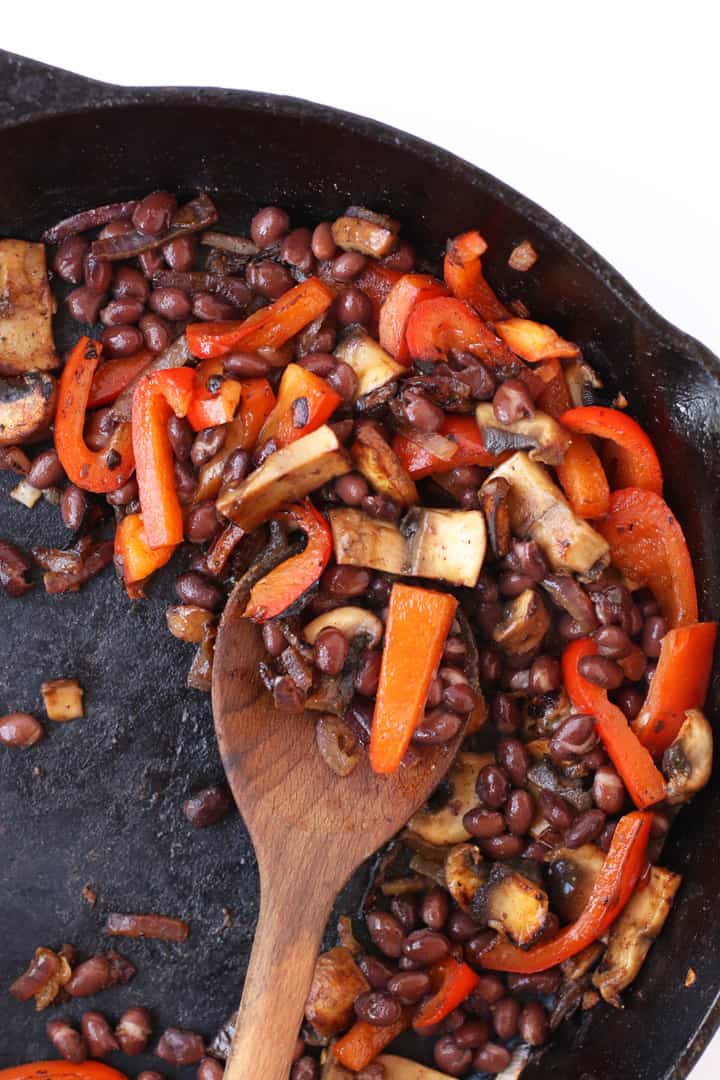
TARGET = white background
(605,114)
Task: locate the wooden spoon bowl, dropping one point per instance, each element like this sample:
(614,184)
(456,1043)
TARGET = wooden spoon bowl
(311,829)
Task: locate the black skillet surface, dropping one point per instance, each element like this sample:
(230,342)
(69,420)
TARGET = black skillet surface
(99,801)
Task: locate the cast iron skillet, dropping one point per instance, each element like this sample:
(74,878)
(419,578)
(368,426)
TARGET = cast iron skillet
(99,801)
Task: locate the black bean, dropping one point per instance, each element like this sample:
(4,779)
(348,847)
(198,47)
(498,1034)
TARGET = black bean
(425,947)
(460,926)
(73,505)
(236,467)
(210,308)
(502,847)
(122,311)
(306,1068)
(601,672)
(155,332)
(490,988)
(151,261)
(554,808)
(545,675)
(353,306)
(122,340)
(472,1034)
(90,977)
(386,933)
(181,437)
(512,402)
(585,828)
(604,840)
(201,522)
(97,1034)
(273,639)
(474,374)
(526,557)
(345,581)
(269,279)
(323,245)
(207,443)
(454,1060)
(268,226)
(208,806)
(436,727)
(514,758)
(512,583)
(574,737)
(179,253)
(483,823)
(46,471)
(180,1047)
(124,495)
(193,588)
(401,258)
(296,249)
(98,274)
(519,811)
(210,1069)
(612,642)
(649,672)
(348,265)
(654,631)
(570,629)
(541,982)
(406,910)
(492,786)
(613,605)
(68,1042)
(20,730)
(421,413)
(287,695)
(409,986)
(491,1058)
(99,428)
(172,304)
(595,759)
(630,700)
(84,304)
(330,651)
(133,1030)
(435,908)
(504,710)
(461,699)
(352,488)
(381,507)
(608,790)
(69,259)
(378,1008)
(117,227)
(533,1024)
(377,972)
(185,482)
(367,675)
(245,365)
(153,213)
(344,381)
(505,1018)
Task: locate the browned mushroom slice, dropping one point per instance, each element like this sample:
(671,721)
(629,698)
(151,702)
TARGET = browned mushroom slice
(27,407)
(542,713)
(494,501)
(352,622)
(535,341)
(373,366)
(284,477)
(572,873)
(336,983)
(538,509)
(512,904)
(634,932)
(524,623)
(400,1068)
(26,309)
(372,234)
(380,465)
(443,825)
(687,762)
(581,381)
(360,540)
(545,439)
(448,545)
(465,874)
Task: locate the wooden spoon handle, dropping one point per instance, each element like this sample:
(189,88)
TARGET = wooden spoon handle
(293,914)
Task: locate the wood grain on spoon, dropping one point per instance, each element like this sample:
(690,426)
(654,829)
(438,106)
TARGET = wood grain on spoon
(310,829)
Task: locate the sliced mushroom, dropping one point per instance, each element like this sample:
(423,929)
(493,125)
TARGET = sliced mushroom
(337,744)
(373,366)
(26,309)
(545,439)
(634,932)
(336,983)
(581,381)
(27,406)
(465,874)
(400,1068)
(576,967)
(571,876)
(542,713)
(687,762)
(538,509)
(535,341)
(380,465)
(352,622)
(524,623)
(512,904)
(368,236)
(444,825)
(360,540)
(494,500)
(284,477)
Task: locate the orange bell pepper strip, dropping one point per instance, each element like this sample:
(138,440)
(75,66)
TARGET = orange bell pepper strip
(211,406)
(614,885)
(535,342)
(103,470)
(275,592)
(648,548)
(268,328)
(410,290)
(304,403)
(632,458)
(437,326)
(61,1070)
(645,783)
(452,982)
(114,376)
(417,625)
(583,479)
(133,554)
(680,682)
(359,1046)
(156,397)
(462,430)
(462,270)
(554,399)
(257,401)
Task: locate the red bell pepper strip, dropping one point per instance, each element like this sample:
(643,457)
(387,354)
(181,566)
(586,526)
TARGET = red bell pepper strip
(417,625)
(61,1070)
(114,376)
(614,885)
(452,983)
(256,403)
(211,407)
(410,290)
(462,430)
(680,682)
(376,281)
(103,470)
(268,328)
(222,548)
(304,403)
(363,1042)
(275,592)
(645,783)
(648,548)
(156,397)
(133,554)
(462,270)
(583,479)
(632,455)
(437,326)
(554,398)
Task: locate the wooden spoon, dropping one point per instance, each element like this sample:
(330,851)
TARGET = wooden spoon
(311,829)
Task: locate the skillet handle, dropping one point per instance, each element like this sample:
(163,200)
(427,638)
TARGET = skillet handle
(31,88)
(293,913)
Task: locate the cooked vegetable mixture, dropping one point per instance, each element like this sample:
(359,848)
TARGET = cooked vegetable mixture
(441,525)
